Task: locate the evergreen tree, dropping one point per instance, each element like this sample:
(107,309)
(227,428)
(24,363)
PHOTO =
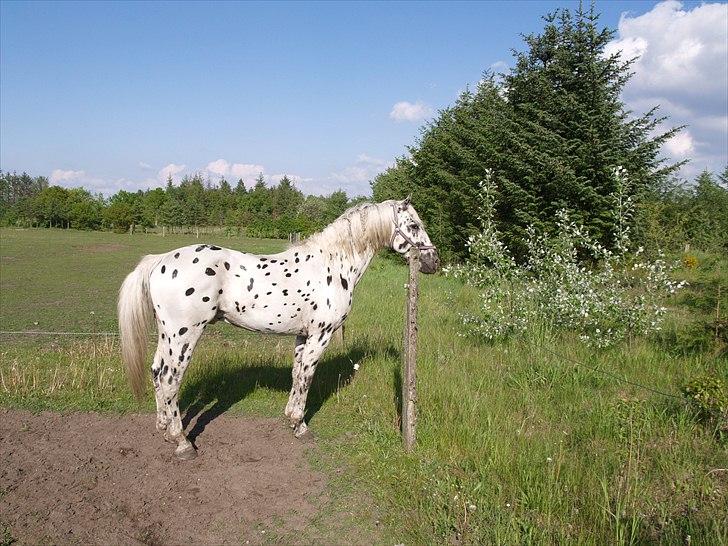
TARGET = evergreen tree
(552,131)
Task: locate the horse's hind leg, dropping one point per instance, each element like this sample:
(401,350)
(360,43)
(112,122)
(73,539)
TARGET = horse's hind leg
(158,365)
(179,351)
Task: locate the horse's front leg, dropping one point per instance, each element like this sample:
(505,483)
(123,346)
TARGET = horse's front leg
(297,358)
(313,348)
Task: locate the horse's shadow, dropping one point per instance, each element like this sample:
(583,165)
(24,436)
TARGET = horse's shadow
(209,395)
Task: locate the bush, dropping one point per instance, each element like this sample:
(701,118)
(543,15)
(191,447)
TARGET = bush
(569,281)
(708,397)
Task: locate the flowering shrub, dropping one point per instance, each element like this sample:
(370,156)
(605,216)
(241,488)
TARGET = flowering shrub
(621,295)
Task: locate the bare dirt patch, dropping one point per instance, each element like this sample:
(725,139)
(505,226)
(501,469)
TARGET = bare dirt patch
(104,479)
(101,247)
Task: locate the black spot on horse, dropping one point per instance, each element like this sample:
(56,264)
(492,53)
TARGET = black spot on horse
(227,266)
(344,282)
(201,247)
(219,291)
(195,260)
(205,298)
(215,248)
(209,271)
(182,331)
(163,269)
(176,255)
(250,286)
(328,280)
(189,291)
(174,274)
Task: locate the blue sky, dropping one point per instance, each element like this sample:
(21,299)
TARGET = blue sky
(117,95)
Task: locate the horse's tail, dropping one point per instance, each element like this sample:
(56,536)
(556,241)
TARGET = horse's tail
(135,314)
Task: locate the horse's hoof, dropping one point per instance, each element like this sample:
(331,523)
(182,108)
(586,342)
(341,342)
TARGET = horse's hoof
(301,430)
(168,437)
(185,452)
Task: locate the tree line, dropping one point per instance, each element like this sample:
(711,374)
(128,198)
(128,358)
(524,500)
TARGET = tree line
(553,129)
(260,211)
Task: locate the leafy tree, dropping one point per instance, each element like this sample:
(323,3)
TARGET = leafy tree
(85,211)
(50,206)
(119,215)
(152,204)
(336,203)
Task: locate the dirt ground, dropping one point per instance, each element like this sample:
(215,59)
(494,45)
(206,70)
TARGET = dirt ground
(104,479)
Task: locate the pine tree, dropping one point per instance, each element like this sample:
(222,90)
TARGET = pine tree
(552,131)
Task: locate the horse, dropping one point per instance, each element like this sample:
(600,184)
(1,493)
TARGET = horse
(305,291)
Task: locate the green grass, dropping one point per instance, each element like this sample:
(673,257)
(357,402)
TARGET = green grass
(514,443)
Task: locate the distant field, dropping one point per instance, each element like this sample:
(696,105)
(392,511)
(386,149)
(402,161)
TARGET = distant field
(515,444)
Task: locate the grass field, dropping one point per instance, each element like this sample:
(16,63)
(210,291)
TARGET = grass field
(517,443)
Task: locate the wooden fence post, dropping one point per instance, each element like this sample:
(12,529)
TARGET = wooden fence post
(409,354)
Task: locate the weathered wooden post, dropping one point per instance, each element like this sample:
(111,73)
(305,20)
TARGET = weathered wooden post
(409,354)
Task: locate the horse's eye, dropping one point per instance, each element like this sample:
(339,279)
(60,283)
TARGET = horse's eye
(414,227)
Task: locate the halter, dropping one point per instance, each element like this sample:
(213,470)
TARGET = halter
(398,231)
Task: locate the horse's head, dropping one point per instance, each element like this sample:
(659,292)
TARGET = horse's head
(408,232)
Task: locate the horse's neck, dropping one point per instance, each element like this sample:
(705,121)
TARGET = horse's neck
(338,239)
(361,263)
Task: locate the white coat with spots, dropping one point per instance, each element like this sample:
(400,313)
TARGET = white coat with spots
(305,291)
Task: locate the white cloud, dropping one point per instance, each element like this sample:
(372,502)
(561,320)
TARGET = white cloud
(170,170)
(59,175)
(498,66)
(146,166)
(294,178)
(246,171)
(680,145)
(682,66)
(222,168)
(355,178)
(219,167)
(408,111)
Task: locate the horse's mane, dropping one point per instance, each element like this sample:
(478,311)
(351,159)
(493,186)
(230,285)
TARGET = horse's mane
(361,228)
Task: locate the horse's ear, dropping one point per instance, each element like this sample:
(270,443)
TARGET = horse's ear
(406,201)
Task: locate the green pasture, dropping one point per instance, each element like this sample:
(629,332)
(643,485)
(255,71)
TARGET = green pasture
(517,443)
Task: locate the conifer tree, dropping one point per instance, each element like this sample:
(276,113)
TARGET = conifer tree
(552,130)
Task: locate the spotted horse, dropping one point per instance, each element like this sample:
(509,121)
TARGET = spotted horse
(306,290)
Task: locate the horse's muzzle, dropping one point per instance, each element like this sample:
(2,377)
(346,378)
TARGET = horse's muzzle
(429,261)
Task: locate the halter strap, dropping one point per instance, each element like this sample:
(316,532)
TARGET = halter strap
(398,231)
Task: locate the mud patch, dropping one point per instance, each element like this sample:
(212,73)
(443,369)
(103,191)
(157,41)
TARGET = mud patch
(104,479)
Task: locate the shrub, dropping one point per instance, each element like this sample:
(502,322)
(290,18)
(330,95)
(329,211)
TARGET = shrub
(708,396)
(569,280)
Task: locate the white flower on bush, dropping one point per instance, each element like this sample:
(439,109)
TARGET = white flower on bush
(618,297)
